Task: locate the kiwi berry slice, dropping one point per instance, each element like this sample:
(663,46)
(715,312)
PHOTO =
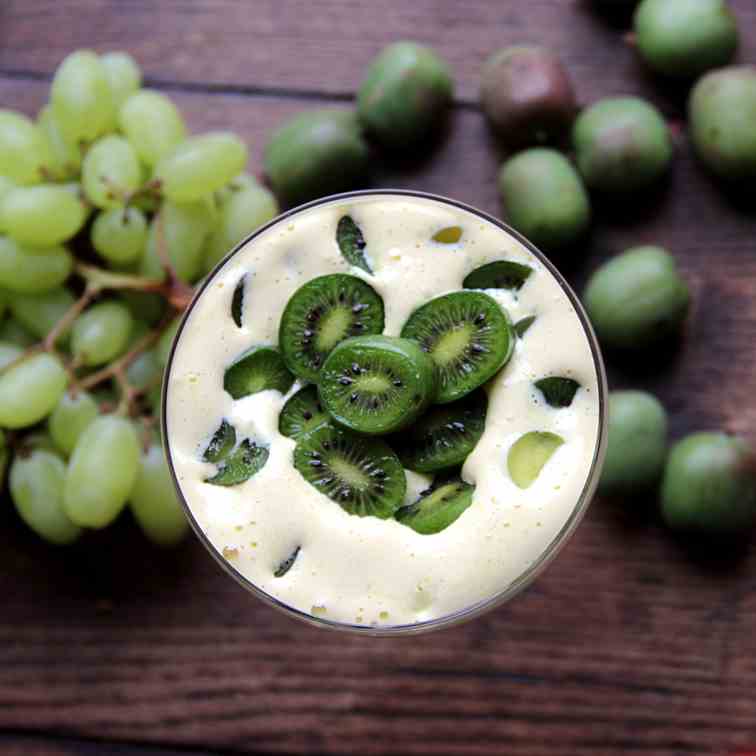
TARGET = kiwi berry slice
(352,243)
(239,465)
(223,440)
(302,413)
(377,384)
(360,474)
(468,335)
(529,454)
(444,436)
(237,301)
(558,391)
(522,325)
(321,314)
(287,563)
(448,235)
(438,506)
(502,274)
(258,369)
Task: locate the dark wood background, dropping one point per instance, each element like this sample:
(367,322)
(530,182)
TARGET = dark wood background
(628,644)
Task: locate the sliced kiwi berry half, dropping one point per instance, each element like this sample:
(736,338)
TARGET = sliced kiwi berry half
(321,314)
(502,274)
(302,413)
(241,464)
(468,336)
(221,443)
(260,368)
(362,475)
(444,436)
(557,390)
(286,564)
(377,384)
(448,235)
(237,301)
(528,455)
(438,506)
(235,464)
(352,243)
(522,325)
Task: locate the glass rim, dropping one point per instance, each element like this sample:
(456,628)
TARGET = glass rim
(545,557)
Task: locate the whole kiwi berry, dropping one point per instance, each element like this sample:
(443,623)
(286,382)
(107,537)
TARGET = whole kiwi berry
(527,95)
(621,144)
(722,115)
(544,198)
(637,444)
(684,38)
(637,299)
(315,153)
(709,486)
(405,95)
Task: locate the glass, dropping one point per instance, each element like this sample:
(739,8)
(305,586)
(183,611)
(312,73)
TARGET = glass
(549,553)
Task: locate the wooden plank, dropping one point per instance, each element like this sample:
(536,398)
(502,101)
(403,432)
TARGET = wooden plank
(627,644)
(325,47)
(25,744)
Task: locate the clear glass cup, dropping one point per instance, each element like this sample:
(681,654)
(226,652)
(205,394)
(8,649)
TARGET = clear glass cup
(548,554)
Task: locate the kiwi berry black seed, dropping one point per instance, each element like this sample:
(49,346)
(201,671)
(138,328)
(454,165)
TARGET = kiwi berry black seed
(362,475)
(377,384)
(444,436)
(321,314)
(468,336)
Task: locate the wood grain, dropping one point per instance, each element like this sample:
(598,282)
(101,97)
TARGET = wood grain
(323,47)
(630,643)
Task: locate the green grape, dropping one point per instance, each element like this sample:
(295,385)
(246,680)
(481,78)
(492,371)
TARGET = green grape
(65,156)
(70,418)
(119,234)
(6,186)
(237,184)
(9,352)
(41,215)
(101,333)
(165,342)
(241,214)
(36,486)
(30,390)
(40,313)
(200,166)
(30,270)
(101,472)
(80,97)
(12,332)
(152,123)
(110,171)
(124,76)
(183,229)
(144,371)
(154,502)
(24,151)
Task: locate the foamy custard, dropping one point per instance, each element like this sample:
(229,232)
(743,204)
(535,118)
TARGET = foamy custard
(364,570)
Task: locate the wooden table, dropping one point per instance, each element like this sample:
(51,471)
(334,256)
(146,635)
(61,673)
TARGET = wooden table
(627,644)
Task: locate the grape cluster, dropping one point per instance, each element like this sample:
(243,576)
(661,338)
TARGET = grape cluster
(109,212)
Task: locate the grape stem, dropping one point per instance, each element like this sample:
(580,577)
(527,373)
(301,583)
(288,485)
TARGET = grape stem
(90,292)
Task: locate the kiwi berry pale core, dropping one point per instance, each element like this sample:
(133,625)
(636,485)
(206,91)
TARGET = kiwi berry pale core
(365,570)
